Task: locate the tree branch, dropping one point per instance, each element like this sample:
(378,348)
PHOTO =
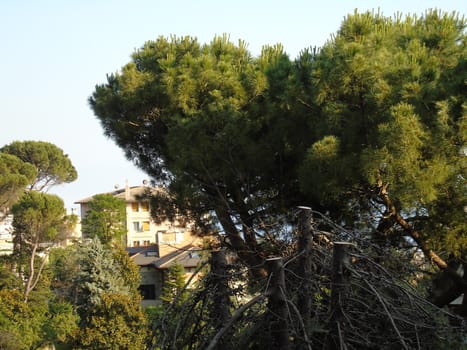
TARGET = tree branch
(236,315)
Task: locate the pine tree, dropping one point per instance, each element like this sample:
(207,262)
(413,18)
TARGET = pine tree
(174,285)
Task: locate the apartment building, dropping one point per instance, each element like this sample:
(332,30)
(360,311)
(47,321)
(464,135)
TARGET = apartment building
(142,230)
(154,247)
(6,237)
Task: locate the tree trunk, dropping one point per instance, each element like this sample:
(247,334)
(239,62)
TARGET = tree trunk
(277,304)
(338,287)
(409,230)
(305,272)
(250,257)
(221,299)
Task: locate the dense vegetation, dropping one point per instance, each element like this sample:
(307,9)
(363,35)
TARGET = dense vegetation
(370,131)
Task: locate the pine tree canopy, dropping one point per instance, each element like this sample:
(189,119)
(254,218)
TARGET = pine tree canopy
(370,128)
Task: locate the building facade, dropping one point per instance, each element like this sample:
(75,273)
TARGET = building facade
(142,230)
(154,247)
(6,237)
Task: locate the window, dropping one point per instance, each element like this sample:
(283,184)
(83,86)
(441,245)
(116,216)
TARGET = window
(146,243)
(134,206)
(194,255)
(136,244)
(145,225)
(144,206)
(148,291)
(137,227)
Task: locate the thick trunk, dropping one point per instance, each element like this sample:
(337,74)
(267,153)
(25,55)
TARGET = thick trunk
(221,300)
(247,254)
(394,214)
(417,237)
(277,304)
(338,288)
(305,265)
(459,284)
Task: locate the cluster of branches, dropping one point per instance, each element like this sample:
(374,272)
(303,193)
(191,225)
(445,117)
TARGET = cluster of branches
(370,128)
(331,289)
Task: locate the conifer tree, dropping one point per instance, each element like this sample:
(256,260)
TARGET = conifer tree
(174,285)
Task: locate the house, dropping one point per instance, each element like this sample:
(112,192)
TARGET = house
(154,247)
(154,267)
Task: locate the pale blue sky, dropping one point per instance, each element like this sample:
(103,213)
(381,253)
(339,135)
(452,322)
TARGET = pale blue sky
(54,53)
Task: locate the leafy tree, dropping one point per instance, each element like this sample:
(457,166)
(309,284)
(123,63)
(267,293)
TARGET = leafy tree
(19,325)
(53,166)
(30,325)
(107,299)
(105,219)
(218,125)
(64,267)
(129,271)
(370,128)
(15,175)
(39,222)
(61,323)
(8,278)
(392,151)
(174,284)
(117,322)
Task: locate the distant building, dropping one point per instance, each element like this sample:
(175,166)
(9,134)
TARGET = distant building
(142,231)
(154,267)
(6,237)
(154,247)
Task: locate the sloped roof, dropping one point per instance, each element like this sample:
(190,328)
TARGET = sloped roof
(187,256)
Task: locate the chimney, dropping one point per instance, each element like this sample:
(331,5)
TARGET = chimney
(127,191)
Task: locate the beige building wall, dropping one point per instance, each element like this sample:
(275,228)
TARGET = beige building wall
(142,230)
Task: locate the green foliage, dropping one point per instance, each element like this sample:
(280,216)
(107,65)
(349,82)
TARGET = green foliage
(105,218)
(8,279)
(29,325)
(222,127)
(39,218)
(117,322)
(107,298)
(390,95)
(63,266)
(39,222)
(128,270)
(97,275)
(174,285)
(53,166)
(15,175)
(371,128)
(101,282)
(19,325)
(61,322)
